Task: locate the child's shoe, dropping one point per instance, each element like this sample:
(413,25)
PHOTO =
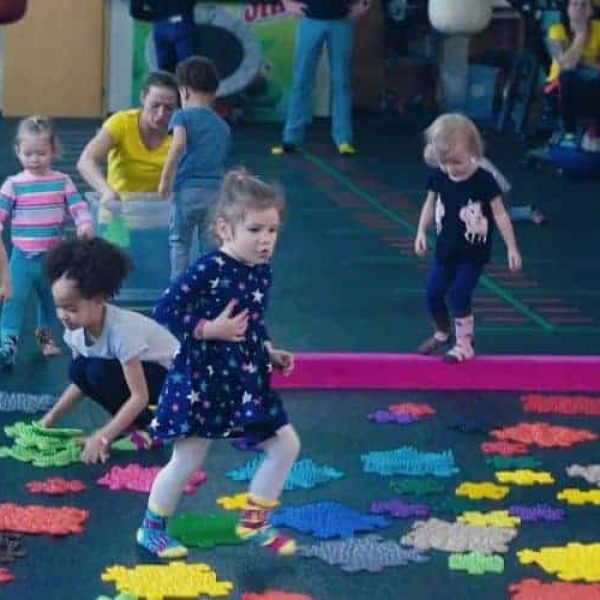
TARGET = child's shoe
(46,343)
(432,344)
(8,351)
(284,148)
(569,141)
(153,536)
(346,149)
(254,527)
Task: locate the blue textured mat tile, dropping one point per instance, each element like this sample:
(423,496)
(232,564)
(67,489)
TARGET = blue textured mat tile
(26,403)
(368,553)
(305,474)
(410,461)
(400,509)
(326,520)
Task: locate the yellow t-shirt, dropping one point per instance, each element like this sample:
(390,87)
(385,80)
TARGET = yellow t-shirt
(558,33)
(132,167)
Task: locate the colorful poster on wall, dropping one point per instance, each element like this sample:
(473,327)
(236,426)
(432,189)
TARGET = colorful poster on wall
(252,46)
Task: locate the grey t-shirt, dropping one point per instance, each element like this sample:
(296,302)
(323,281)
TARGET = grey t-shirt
(126,335)
(208,140)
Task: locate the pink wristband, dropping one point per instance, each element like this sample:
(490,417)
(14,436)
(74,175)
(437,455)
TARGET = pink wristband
(104,441)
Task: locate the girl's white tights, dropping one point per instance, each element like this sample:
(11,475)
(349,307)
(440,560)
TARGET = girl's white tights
(188,456)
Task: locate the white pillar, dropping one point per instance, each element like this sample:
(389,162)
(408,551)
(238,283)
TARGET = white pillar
(119,56)
(454,71)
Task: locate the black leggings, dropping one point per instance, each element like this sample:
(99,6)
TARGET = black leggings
(104,382)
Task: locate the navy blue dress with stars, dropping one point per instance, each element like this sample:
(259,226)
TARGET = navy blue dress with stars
(218,389)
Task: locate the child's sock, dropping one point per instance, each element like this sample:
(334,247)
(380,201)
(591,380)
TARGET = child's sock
(153,536)
(463,349)
(254,527)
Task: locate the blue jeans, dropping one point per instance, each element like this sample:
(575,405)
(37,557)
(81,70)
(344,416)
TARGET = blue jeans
(312,34)
(189,215)
(28,273)
(458,279)
(174,40)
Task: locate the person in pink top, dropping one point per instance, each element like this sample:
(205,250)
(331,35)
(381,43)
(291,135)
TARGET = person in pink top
(35,201)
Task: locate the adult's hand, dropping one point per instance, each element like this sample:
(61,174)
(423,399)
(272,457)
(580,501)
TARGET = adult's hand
(358,9)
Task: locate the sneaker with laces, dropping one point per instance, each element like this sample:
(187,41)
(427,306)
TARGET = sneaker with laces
(153,536)
(346,149)
(284,148)
(8,351)
(160,543)
(46,343)
(569,141)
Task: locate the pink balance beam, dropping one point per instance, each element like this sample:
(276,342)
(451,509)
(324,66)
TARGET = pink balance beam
(414,372)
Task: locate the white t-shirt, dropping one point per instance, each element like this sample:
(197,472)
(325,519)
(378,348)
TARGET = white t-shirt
(126,335)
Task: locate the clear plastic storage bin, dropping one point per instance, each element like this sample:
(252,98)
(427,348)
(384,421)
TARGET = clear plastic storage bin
(140,226)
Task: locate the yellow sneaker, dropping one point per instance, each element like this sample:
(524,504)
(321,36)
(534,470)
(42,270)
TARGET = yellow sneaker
(283,149)
(346,149)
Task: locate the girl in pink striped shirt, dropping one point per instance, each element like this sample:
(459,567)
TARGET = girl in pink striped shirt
(35,201)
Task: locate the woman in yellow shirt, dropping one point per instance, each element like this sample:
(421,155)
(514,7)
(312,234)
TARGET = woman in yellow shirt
(134,143)
(575,72)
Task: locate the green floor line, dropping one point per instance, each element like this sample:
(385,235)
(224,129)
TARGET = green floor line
(486,280)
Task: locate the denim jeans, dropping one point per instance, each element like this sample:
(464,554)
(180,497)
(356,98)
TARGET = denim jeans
(311,36)
(28,273)
(174,41)
(189,214)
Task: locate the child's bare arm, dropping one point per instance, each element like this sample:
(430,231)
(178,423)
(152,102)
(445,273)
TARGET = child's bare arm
(425,220)
(508,234)
(67,401)
(90,161)
(96,446)
(176,151)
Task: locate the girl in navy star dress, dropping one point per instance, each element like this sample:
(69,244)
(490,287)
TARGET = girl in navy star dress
(219,385)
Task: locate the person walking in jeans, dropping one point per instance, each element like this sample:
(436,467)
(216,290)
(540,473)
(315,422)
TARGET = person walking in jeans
(194,166)
(174,33)
(322,22)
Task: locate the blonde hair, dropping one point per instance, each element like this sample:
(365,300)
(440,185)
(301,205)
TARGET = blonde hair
(38,125)
(241,191)
(443,134)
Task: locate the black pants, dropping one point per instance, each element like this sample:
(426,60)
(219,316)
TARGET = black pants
(579,97)
(103,381)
